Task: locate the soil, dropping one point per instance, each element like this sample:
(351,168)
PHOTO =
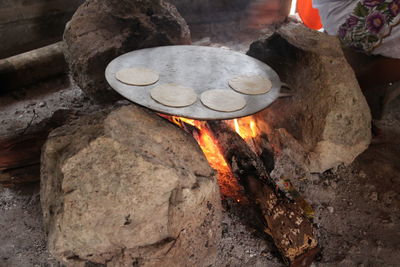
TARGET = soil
(356,207)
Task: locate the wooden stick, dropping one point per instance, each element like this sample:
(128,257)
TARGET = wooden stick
(33,66)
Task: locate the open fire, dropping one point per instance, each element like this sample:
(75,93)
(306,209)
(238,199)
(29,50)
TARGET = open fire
(235,149)
(246,127)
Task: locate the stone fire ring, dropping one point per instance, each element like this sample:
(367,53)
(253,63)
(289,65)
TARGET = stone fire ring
(199,67)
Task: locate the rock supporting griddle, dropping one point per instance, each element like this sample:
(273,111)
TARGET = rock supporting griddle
(128,188)
(327,121)
(101,30)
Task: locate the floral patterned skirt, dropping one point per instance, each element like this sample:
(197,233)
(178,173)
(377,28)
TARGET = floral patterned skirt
(370,22)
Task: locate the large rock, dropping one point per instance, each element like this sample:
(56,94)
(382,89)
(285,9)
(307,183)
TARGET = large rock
(101,30)
(128,189)
(327,121)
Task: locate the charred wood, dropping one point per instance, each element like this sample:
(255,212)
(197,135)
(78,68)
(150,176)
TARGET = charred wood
(22,175)
(20,153)
(265,151)
(285,221)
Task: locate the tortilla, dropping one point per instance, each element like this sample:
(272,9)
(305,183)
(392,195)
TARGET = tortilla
(173,95)
(137,76)
(223,100)
(251,84)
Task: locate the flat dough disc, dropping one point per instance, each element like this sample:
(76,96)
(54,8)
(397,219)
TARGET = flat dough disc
(137,76)
(223,100)
(173,95)
(251,84)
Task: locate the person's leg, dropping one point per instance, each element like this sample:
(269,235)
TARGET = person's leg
(376,81)
(375,74)
(383,70)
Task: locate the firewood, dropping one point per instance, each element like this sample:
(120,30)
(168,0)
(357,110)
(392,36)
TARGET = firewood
(264,151)
(30,67)
(23,175)
(285,221)
(20,153)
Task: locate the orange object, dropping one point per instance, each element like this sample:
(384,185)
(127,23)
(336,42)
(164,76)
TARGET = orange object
(308,14)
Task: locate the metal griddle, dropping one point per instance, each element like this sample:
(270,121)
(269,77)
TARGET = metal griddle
(199,67)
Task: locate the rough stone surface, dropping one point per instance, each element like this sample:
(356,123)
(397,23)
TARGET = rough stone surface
(327,121)
(128,188)
(101,30)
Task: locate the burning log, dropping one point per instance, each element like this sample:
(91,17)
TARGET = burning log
(284,219)
(228,184)
(249,130)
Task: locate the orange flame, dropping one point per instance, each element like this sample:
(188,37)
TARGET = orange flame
(229,185)
(245,127)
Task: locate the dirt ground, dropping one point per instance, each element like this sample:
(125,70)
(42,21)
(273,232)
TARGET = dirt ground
(357,216)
